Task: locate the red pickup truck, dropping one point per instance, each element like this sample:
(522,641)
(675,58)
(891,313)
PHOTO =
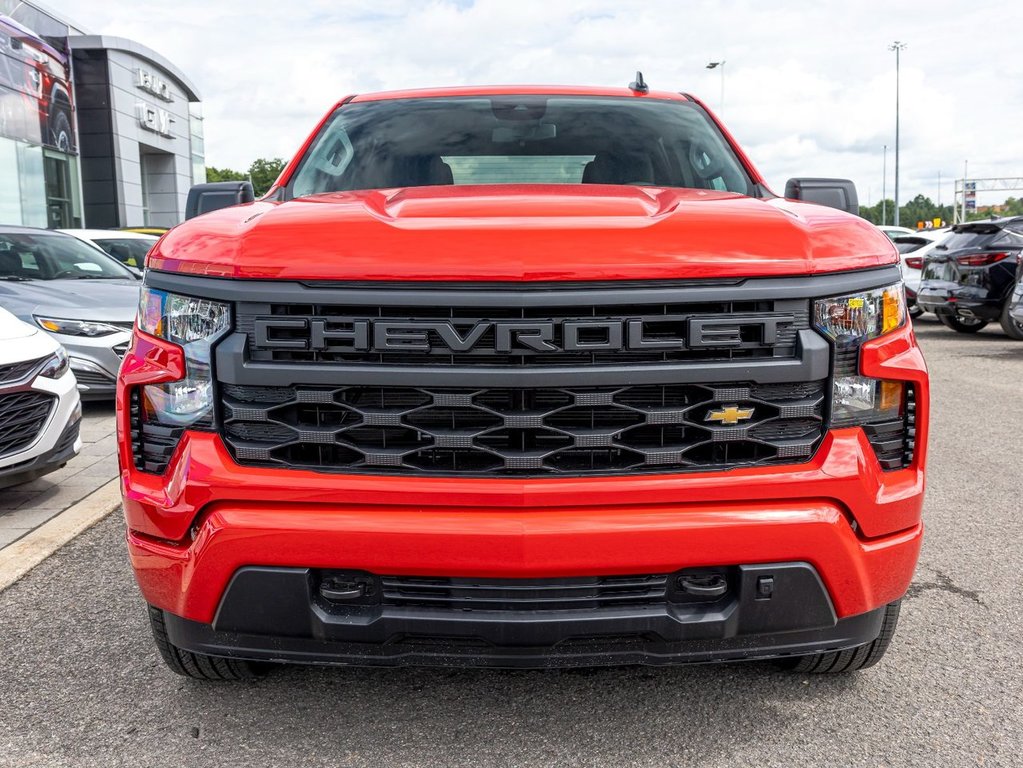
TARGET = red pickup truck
(523,377)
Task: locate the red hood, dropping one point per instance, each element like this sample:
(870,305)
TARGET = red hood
(522,233)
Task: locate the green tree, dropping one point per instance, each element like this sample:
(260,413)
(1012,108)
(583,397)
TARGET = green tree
(264,173)
(920,208)
(223,174)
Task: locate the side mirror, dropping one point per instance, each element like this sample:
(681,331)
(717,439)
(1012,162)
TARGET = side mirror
(203,198)
(834,193)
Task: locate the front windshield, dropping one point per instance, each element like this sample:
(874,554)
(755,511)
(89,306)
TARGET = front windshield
(51,256)
(519,140)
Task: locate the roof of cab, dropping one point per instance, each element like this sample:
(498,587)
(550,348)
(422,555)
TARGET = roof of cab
(517,90)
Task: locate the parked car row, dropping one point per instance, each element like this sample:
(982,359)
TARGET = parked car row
(85,298)
(67,306)
(968,275)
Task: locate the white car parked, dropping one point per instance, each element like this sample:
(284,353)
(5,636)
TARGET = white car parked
(913,250)
(40,410)
(129,248)
(893,232)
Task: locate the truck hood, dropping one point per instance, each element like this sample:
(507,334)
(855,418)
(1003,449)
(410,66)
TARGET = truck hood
(522,233)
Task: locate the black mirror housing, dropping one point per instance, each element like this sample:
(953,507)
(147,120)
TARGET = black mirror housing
(834,193)
(203,198)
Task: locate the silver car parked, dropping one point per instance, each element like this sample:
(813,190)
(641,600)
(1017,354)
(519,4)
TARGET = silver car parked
(83,297)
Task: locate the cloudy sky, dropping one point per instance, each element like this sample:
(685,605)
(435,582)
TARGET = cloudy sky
(809,87)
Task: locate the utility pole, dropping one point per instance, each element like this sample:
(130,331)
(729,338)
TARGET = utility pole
(966,172)
(898,47)
(884,187)
(715,65)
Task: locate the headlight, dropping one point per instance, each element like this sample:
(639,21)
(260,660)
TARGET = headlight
(181,319)
(848,321)
(194,324)
(857,317)
(56,366)
(75,327)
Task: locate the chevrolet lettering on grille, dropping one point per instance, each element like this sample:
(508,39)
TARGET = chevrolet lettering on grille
(341,334)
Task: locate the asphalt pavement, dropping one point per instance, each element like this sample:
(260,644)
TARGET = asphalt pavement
(81,685)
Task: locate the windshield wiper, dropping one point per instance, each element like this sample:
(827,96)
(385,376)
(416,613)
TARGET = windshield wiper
(16,278)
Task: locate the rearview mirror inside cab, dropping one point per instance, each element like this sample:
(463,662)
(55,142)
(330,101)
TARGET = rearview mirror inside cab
(835,193)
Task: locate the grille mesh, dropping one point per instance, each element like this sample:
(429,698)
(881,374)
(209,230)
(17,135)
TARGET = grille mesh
(22,417)
(894,442)
(13,372)
(519,431)
(151,444)
(462,594)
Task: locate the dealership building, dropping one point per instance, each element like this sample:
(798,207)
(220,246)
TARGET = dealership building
(95,131)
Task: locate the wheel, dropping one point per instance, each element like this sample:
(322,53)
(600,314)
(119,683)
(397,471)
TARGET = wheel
(851,659)
(962,324)
(1013,329)
(915,311)
(60,131)
(197,665)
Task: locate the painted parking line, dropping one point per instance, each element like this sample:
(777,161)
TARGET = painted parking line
(26,553)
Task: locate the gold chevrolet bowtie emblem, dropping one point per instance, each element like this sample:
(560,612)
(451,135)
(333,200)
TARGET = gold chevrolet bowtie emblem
(730,415)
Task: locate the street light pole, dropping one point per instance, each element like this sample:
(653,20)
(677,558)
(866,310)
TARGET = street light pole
(884,187)
(898,47)
(715,65)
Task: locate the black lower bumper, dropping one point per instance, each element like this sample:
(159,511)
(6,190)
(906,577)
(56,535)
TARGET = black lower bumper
(278,614)
(61,453)
(951,299)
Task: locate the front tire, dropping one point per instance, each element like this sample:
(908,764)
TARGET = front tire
(962,324)
(851,659)
(1013,329)
(60,130)
(198,666)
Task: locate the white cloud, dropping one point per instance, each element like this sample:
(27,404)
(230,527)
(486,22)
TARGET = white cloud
(809,89)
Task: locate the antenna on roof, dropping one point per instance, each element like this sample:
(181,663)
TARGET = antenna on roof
(639,84)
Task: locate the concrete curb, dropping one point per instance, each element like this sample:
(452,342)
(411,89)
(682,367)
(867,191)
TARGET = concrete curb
(20,557)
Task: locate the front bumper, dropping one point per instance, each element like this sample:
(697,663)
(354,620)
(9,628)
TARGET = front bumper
(57,442)
(194,529)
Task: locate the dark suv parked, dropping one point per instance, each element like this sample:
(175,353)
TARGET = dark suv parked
(968,279)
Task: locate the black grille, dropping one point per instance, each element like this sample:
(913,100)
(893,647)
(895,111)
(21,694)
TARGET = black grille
(68,437)
(13,372)
(464,594)
(735,331)
(22,417)
(151,444)
(894,442)
(94,379)
(520,431)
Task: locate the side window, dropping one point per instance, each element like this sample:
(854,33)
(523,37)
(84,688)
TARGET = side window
(1011,236)
(29,262)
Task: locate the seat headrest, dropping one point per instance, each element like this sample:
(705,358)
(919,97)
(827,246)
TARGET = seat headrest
(608,168)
